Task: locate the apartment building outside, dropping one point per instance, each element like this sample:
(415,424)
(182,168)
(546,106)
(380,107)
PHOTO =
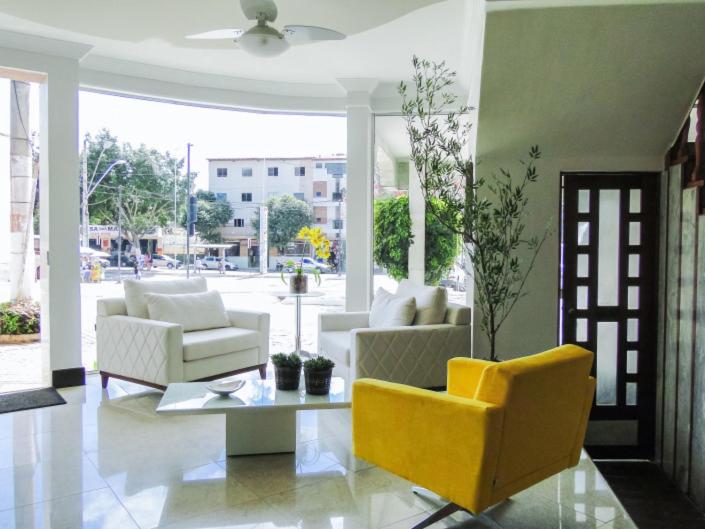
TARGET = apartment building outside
(247,183)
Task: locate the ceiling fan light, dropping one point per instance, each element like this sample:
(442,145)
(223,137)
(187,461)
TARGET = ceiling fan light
(263,41)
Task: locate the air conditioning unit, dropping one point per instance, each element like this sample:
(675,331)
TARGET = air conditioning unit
(337,224)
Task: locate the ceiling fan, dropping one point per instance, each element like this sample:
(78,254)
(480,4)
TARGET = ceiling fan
(263,40)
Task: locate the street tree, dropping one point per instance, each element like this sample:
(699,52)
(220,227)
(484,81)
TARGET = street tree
(287,215)
(147,181)
(212,214)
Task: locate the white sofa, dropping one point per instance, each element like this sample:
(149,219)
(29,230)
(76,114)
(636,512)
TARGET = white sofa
(415,355)
(132,347)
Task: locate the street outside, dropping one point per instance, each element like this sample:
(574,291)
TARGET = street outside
(20,366)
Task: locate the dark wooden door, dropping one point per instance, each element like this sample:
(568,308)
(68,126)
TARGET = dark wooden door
(608,296)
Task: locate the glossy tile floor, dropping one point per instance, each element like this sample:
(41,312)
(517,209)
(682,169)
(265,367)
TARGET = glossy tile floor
(106,460)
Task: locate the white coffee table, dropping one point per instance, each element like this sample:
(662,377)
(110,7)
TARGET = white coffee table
(259,419)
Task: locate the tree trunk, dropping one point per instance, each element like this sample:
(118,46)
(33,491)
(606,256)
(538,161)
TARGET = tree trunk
(21,195)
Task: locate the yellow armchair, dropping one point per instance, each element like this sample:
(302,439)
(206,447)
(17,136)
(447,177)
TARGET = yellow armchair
(501,428)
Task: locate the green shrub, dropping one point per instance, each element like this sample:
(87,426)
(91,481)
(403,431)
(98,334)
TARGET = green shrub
(286,360)
(393,237)
(319,363)
(21,317)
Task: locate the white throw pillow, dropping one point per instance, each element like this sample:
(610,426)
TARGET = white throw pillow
(136,289)
(389,310)
(194,312)
(431,302)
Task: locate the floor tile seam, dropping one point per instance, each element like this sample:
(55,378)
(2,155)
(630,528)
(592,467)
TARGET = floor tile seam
(122,504)
(55,498)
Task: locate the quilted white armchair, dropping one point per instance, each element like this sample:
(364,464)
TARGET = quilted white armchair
(131,346)
(415,354)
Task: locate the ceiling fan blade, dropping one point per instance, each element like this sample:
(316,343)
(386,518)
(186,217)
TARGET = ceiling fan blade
(252,8)
(304,34)
(217,34)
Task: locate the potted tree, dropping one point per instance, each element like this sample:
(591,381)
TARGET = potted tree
(317,374)
(489,214)
(287,370)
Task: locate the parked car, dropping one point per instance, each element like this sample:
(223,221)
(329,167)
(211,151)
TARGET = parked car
(455,279)
(211,262)
(125,259)
(164,261)
(308,265)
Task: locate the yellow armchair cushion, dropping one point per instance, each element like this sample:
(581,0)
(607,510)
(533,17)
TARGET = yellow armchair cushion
(446,443)
(464,375)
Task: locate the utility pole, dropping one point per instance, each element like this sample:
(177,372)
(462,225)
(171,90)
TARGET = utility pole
(119,253)
(188,209)
(176,219)
(84,194)
(263,222)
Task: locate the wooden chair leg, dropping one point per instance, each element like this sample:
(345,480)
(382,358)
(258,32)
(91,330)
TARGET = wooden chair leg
(263,371)
(441,513)
(104,380)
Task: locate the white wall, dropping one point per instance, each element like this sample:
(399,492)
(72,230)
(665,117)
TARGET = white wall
(601,88)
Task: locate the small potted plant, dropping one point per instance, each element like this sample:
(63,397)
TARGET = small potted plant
(317,374)
(287,370)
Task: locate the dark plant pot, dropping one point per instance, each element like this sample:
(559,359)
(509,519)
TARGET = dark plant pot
(287,377)
(298,283)
(318,382)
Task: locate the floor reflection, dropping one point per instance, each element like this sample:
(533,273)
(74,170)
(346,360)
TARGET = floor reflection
(107,460)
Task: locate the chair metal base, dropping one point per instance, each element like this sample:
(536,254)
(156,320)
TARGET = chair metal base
(446,510)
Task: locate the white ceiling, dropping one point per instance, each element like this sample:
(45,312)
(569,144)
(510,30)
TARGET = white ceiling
(382,35)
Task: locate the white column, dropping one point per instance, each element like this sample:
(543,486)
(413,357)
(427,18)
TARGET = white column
(59,223)
(417,210)
(358,229)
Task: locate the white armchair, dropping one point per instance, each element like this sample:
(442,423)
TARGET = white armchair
(415,355)
(155,353)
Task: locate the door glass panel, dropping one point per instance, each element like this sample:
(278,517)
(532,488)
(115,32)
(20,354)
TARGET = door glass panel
(583,233)
(631,393)
(583,261)
(581,330)
(607,363)
(635,201)
(632,361)
(633,265)
(633,298)
(608,248)
(632,330)
(634,233)
(584,201)
(582,298)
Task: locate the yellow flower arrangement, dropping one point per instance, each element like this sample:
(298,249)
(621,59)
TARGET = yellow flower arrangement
(316,238)
(319,242)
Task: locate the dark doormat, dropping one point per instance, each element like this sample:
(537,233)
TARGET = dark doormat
(27,400)
(650,498)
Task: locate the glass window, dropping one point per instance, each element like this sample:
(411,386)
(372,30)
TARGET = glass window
(272,171)
(300,171)
(239,223)
(319,165)
(247,171)
(336,168)
(221,197)
(221,172)
(246,197)
(299,196)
